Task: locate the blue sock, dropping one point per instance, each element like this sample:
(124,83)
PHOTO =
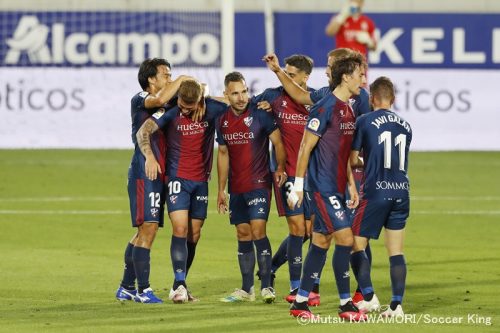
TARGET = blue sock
(361,268)
(368,252)
(246,259)
(128,281)
(313,263)
(178,254)
(340,263)
(294,251)
(141,259)
(264,256)
(280,256)
(191,248)
(398,278)
(316,282)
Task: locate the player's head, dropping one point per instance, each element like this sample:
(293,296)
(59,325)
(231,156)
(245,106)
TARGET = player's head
(333,56)
(355,6)
(236,91)
(349,72)
(299,67)
(189,96)
(154,73)
(382,93)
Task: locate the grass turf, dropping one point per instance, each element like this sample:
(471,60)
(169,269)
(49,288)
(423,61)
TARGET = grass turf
(65,223)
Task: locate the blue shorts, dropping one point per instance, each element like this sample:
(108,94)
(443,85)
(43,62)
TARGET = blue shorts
(281,195)
(147,198)
(183,194)
(253,205)
(329,210)
(373,214)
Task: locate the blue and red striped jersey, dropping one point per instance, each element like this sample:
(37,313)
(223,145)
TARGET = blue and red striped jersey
(360,103)
(385,138)
(190,144)
(247,139)
(291,118)
(333,121)
(139,114)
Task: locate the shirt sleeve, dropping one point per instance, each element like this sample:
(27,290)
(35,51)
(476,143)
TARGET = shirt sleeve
(317,95)
(268,95)
(358,135)
(162,117)
(215,108)
(319,118)
(363,103)
(268,122)
(218,133)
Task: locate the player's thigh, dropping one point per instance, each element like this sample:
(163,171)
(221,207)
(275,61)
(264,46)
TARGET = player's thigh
(370,217)
(329,212)
(178,195)
(146,201)
(199,201)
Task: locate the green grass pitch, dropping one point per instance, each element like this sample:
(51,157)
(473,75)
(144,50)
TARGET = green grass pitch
(64,224)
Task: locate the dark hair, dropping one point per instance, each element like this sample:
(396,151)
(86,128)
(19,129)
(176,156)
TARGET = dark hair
(302,62)
(190,91)
(346,65)
(233,77)
(149,68)
(383,89)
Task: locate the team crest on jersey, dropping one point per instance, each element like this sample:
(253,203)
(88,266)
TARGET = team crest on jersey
(342,113)
(159,113)
(226,123)
(307,107)
(143,94)
(173,199)
(248,121)
(351,102)
(284,104)
(155,212)
(314,124)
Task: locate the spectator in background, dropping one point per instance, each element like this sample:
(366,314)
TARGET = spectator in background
(352,29)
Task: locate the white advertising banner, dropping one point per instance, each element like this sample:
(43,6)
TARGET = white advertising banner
(90,107)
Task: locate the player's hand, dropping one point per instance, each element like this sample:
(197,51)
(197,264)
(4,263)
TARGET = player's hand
(200,111)
(280,177)
(222,202)
(353,193)
(265,105)
(344,13)
(295,199)
(152,168)
(272,62)
(364,37)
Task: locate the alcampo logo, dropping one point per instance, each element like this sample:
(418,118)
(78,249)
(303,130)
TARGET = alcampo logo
(105,48)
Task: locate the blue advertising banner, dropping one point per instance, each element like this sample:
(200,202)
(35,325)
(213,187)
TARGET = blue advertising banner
(124,39)
(110,39)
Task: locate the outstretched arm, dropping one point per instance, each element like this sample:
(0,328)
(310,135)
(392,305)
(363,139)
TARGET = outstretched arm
(165,94)
(300,95)
(151,167)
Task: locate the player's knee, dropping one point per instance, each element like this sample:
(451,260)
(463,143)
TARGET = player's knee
(180,231)
(194,236)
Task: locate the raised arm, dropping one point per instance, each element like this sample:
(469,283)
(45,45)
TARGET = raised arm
(165,94)
(151,166)
(338,20)
(223,174)
(300,95)
(279,148)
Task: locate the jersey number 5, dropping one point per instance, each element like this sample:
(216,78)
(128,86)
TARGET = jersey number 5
(386,139)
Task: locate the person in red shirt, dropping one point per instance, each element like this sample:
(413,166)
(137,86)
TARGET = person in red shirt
(352,29)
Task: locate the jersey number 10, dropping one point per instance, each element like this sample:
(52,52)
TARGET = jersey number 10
(386,139)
